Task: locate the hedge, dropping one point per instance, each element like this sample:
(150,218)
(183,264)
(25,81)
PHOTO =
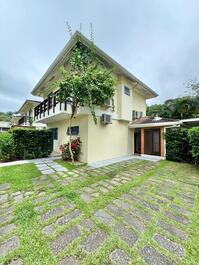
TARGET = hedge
(182,144)
(29,144)
(6,147)
(194,141)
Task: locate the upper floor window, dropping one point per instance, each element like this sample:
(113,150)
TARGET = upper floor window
(127,91)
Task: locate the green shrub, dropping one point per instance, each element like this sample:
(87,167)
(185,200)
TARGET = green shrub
(6,147)
(29,144)
(76,149)
(178,147)
(194,142)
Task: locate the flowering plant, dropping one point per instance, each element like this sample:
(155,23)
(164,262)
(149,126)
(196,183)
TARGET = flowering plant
(76,149)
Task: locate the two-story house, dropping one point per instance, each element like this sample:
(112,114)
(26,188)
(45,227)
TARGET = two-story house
(111,137)
(25,115)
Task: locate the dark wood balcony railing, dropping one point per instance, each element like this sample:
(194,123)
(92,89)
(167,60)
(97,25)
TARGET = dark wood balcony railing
(50,103)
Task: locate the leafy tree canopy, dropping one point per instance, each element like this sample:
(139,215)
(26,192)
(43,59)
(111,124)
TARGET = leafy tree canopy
(87,82)
(179,108)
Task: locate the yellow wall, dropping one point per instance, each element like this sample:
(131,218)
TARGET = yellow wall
(62,125)
(109,141)
(126,104)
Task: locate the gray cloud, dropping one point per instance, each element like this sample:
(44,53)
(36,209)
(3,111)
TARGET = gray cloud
(158,41)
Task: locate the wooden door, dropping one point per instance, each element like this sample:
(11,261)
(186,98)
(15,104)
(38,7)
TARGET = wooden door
(152,141)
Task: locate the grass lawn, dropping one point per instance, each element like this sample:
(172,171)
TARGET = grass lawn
(139,212)
(68,165)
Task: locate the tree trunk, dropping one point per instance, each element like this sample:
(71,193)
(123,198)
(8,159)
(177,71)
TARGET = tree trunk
(70,140)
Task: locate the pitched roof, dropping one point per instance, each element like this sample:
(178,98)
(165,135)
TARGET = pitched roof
(28,104)
(64,54)
(147,119)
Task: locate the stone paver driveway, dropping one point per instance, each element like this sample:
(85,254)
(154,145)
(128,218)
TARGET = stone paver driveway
(134,212)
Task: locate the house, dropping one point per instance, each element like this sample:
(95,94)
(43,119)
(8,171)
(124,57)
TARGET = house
(4,126)
(25,115)
(118,133)
(111,137)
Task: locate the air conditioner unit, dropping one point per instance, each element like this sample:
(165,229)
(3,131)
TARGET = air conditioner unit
(106,118)
(133,115)
(108,103)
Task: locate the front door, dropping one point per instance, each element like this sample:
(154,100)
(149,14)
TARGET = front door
(137,142)
(152,141)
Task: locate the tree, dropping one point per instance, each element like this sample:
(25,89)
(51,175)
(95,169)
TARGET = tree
(193,85)
(85,83)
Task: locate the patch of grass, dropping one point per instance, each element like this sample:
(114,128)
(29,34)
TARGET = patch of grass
(69,165)
(19,176)
(35,246)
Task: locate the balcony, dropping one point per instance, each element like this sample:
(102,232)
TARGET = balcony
(51,108)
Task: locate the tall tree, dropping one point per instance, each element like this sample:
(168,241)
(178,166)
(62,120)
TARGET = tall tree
(85,83)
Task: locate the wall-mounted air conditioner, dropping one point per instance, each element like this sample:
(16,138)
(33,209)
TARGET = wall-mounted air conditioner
(106,119)
(136,114)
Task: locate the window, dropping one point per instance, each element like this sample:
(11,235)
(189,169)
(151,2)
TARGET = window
(54,133)
(74,130)
(127,91)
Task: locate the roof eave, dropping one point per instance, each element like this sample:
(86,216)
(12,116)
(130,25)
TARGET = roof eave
(78,36)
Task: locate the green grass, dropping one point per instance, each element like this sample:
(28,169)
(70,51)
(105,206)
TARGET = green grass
(19,176)
(68,165)
(35,246)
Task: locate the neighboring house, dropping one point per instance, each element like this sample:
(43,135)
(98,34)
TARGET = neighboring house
(4,126)
(25,115)
(119,133)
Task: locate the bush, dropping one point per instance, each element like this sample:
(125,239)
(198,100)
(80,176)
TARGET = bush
(194,142)
(29,144)
(76,149)
(178,147)
(6,147)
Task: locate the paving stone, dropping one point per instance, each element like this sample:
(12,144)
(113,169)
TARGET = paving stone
(116,210)
(3,198)
(172,229)
(69,261)
(177,218)
(134,222)
(18,198)
(6,210)
(104,217)
(6,218)
(47,171)
(56,201)
(180,209)
(125,205)
(9,245)
(126,234)
(48,230)
(7,229)
(87,224)
(67,218)
(171,246)
(42,199)
(153,257)
(86,197)
(120,257)
(141,214)
(4,186)
(16,262)
(94,241)
(55,212)
(61,242)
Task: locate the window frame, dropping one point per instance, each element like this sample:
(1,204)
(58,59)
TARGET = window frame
(127,91)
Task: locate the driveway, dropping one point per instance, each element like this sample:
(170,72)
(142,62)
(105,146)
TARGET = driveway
(133,212)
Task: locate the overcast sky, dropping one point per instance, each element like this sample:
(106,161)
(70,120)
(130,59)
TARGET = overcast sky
(158,41)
